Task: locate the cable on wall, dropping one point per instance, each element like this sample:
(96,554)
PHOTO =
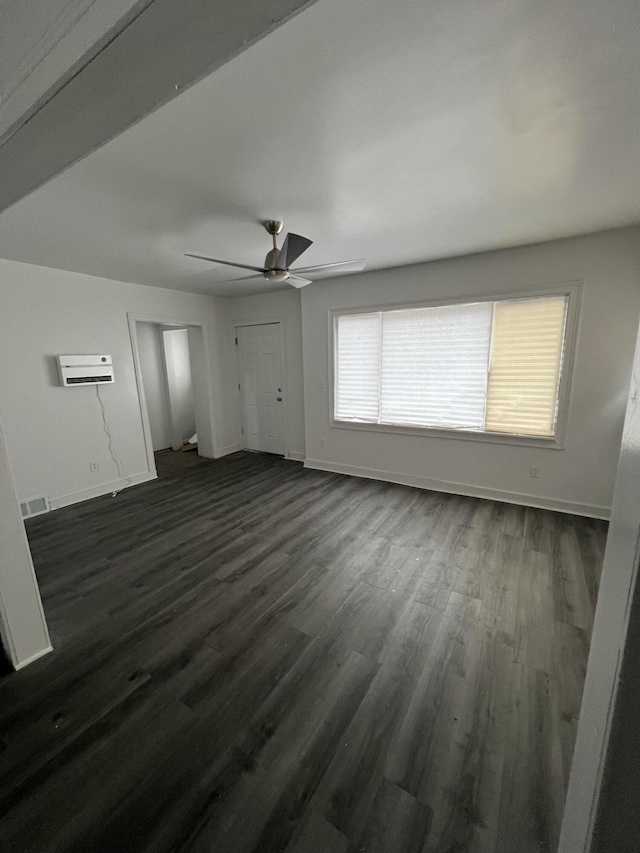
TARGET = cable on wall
(113,452)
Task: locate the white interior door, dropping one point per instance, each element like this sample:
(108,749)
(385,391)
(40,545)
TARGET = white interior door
(259,357)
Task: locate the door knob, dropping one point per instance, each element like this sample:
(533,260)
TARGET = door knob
(279,399)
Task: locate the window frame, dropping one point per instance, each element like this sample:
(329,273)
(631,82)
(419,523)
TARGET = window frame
(572,290)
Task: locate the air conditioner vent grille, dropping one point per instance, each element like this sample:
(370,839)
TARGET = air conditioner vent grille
(34,506)
(87,380)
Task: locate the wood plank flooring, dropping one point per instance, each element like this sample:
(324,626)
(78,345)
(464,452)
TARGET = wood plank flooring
(251,656)
(170,462)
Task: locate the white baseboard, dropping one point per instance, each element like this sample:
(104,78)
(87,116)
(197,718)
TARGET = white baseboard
(225,451)
(33,658)
(472,491)
(102,489)
(296,455)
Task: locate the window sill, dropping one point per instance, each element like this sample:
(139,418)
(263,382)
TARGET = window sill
(548,442)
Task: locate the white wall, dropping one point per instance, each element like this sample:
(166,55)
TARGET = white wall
(283,306)
(155,384)
(578,478)
(182,407)
(54,432)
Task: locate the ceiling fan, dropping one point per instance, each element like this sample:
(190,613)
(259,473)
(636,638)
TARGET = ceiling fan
(278,261)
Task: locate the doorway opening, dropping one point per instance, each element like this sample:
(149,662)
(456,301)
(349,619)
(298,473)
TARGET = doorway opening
(173,380)
(262,387)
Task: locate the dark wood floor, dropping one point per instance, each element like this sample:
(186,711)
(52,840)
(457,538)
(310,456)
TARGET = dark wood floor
(169,462)
(251,656)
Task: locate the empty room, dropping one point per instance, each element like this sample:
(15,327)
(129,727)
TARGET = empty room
(319,426)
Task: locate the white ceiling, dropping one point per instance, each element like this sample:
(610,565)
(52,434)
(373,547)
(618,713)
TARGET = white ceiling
(401,132)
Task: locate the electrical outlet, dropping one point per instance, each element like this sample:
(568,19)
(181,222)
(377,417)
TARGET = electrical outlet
(93,467)
(534,471)
(323,442)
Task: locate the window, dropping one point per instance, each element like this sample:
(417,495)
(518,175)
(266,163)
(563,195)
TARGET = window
(490,367)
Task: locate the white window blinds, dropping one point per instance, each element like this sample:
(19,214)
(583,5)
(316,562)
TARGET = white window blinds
(434,366)
(526,358)
(357,385)
(484,366)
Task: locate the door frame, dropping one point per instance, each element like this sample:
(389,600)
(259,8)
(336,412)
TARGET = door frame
(23,624)
(272,321)
(209,443)
(612,664)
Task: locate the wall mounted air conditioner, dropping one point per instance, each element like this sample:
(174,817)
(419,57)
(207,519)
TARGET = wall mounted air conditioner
(85,369)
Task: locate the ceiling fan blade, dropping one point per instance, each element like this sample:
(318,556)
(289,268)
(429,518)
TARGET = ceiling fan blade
(327,270)
(294,245)
(242,278)
(296,281)
(227,263)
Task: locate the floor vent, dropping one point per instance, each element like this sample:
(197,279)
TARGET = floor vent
(34,506)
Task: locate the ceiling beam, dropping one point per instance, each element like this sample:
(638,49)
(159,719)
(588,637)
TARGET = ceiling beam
(109,76)
(44,45)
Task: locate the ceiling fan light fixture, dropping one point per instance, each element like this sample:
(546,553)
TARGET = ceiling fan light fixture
(276,276)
